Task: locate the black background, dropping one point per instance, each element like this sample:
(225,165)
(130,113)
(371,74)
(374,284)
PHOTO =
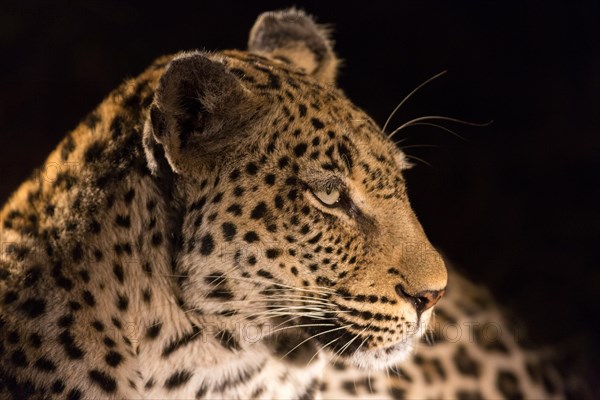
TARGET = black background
(514,205)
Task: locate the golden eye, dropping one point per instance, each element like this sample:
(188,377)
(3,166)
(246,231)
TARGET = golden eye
(330,196)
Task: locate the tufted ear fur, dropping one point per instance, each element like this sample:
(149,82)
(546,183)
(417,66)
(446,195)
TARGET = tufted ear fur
(198,108)
(292,35)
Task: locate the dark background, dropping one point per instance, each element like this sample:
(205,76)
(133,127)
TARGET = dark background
(514,205)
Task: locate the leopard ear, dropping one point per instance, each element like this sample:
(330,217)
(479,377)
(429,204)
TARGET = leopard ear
(197,107)
(294,36)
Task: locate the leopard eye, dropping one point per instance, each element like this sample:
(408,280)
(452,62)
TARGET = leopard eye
(329,196)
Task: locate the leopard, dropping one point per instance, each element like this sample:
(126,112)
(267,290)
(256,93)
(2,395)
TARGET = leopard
(229,224)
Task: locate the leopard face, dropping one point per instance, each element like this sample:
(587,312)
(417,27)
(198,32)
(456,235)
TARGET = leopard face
(294,212)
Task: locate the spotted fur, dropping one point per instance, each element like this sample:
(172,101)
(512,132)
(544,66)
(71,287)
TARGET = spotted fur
(177,244)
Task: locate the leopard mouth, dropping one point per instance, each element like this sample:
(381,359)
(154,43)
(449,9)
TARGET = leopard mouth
(370,344)
(358,348)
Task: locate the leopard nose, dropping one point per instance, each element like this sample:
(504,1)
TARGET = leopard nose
(422,301)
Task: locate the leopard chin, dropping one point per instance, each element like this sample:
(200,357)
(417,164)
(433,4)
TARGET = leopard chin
(383,358)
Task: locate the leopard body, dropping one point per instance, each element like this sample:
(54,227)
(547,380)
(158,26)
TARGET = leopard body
(230,225)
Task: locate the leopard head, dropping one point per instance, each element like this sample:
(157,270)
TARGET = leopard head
(293,204)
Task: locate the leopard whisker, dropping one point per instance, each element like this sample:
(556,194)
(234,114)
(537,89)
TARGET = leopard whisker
(442,127)
(288,320)
(321,290)
(417,146)
(341,351)
(362,343)
(408,96)
(284,312)
(437,118)
(314,336)
(387,372)
(321,349)
(301,326)
(419,159)
(281,300)
(302,300)
(269,314)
